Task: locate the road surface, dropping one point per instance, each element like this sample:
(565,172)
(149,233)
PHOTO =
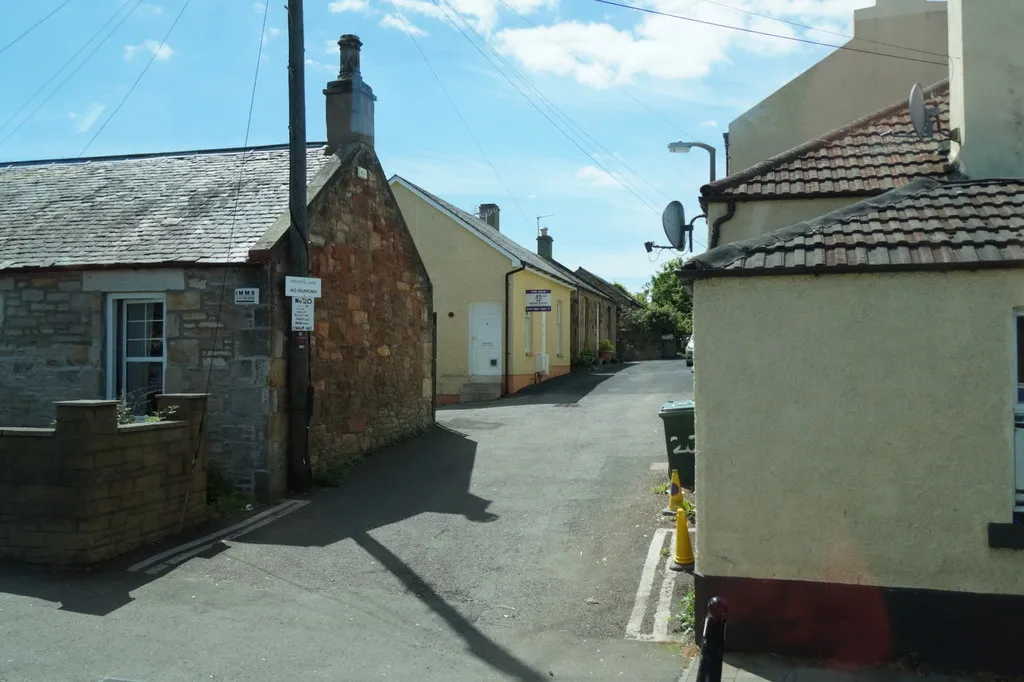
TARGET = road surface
(506,544)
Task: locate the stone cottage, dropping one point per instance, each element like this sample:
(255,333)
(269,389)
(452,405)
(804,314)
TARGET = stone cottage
(164,273)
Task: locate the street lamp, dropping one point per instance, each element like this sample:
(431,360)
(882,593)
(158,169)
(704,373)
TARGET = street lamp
(685,147)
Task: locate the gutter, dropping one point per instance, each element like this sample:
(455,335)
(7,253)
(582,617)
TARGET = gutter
(508,327)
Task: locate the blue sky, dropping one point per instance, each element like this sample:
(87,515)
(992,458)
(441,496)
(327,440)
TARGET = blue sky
(631,82)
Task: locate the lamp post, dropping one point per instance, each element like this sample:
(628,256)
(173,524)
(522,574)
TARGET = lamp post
(684,147)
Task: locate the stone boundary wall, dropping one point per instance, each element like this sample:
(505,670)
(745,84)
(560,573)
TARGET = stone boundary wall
(90,489)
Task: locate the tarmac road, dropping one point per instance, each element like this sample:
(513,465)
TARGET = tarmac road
(506,544)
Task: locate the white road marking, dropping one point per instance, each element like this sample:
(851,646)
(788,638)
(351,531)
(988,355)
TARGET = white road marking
(643,592)
(659,466)
(190,549)
(654,570)
(664,612)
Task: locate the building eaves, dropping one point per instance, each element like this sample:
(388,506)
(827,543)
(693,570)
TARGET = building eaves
(499,241)
(929,224)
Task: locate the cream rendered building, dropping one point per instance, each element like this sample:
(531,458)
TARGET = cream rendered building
(860,398)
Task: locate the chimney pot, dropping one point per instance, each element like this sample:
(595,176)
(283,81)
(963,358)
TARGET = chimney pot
(491,214)
(349,100)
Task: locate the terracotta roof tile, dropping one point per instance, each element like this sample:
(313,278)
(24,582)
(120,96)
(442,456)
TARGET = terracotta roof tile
(867,156)
(926,222)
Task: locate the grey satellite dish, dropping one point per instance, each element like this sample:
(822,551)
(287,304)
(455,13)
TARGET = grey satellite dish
(673,219)
(921,115)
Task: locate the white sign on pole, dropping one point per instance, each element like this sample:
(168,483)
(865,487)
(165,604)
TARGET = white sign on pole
(538,300)
(247,296)
(302,314)
(302,286)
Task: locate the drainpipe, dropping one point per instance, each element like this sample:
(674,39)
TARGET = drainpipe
(730,211)
(508,326)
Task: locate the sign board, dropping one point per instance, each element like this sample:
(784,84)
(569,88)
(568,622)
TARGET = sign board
(247,296)
(302,313)
(538,300)
(308,287)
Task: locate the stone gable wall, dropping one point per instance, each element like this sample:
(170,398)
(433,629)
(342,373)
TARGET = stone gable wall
(372,346)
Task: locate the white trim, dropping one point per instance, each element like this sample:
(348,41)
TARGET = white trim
(558,327)
(110,369)
(528,334)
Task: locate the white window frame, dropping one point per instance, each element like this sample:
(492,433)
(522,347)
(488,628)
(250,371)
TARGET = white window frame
(528,337)
(558,328)
(113,369)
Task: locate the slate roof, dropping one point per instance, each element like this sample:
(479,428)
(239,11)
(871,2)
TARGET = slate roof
(609,289)
(495,237)
(927,224)
(856,159)
(146,209)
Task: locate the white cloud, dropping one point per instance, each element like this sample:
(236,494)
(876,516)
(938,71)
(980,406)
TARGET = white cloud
(161,51)
(349,5)
(603,55)
(595,177)
(259,7)
(405,26)
(152,9)
(270,34)
(709,124)
(89,118)
(319,66)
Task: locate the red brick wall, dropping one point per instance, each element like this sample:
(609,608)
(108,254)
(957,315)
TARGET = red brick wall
(89,489)
(372,346)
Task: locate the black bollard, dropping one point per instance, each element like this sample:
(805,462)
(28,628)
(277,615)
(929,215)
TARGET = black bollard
(712,648)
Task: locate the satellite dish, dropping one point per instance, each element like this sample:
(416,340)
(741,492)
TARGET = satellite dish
(673,219)
(921,115)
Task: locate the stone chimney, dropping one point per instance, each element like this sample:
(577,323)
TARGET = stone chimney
(986,89)
(491,214)
(349,100)
(544,244)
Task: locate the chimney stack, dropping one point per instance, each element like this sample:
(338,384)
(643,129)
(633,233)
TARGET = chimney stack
(349,100)
(544,244)
(986,102)
(491,214)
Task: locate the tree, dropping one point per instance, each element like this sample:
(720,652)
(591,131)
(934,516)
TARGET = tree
(666,291)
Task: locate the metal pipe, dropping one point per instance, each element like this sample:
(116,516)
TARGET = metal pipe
(508,326)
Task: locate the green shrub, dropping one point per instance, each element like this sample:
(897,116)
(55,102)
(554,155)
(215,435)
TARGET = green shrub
(605,344)
(587,356)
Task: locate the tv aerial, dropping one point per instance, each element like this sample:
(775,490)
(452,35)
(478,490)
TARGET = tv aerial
(673,220)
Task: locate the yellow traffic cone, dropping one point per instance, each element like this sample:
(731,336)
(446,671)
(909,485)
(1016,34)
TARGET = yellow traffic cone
(675,496)
(683,560)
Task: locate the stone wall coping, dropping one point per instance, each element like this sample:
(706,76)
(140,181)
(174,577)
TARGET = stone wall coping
(86,403)
(151,426)
(23,431)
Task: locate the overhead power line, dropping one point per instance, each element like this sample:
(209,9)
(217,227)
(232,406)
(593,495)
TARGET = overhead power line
(70,75)
(440,84)
(128,94)
(767,34)
(34,26)
(632,190)
(823,30)
(544,31)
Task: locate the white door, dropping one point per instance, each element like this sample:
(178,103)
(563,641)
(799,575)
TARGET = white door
(485,338)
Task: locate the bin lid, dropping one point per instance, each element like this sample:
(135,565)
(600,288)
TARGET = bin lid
(676,406)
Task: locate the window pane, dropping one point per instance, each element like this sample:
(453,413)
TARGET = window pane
(1020,350)
(134,311)
(143,381)
(135,329)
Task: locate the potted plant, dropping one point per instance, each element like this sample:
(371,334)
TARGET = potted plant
(605,349)
(587,356)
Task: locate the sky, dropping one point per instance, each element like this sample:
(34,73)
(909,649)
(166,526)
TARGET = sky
(554,108)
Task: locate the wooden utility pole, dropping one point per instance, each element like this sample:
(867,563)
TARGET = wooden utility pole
(300,475)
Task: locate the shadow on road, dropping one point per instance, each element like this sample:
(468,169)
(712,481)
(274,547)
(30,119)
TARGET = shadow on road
(565,390)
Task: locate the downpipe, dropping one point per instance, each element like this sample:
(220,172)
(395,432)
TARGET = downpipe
(508,326)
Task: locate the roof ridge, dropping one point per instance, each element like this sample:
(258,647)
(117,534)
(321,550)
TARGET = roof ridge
(152,155)
(714,188)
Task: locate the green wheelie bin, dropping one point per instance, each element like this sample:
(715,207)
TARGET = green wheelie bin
(677,415)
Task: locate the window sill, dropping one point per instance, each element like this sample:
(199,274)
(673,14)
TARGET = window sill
(1006,535)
